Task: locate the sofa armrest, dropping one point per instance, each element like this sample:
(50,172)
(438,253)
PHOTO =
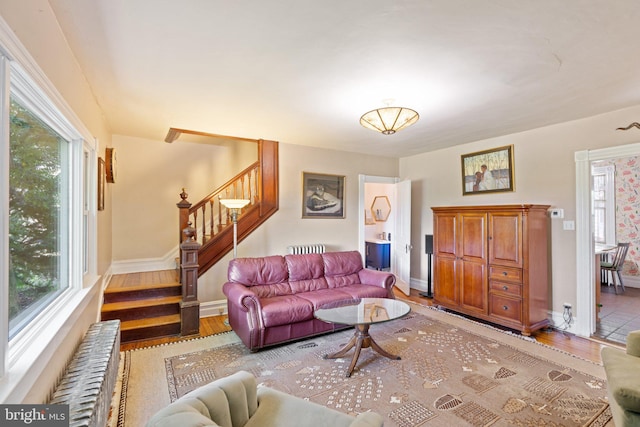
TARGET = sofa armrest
(368,419)
(377,278)
(237,293)
(633,343)
(623,377)
(277,409)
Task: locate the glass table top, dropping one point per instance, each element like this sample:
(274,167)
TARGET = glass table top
(364,311)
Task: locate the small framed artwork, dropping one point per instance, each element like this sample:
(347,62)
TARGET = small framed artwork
(101,183)
(322,195)
(488,171)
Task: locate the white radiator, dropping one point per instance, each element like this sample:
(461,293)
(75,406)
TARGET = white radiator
(90,379)
(307,249)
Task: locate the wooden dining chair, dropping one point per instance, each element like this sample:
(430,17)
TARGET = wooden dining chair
(616,265)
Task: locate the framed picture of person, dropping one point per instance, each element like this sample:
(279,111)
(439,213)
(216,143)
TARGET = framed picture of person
(322,195)
(488,171)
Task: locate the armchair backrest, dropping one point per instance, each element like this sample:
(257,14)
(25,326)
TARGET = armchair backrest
(226,402)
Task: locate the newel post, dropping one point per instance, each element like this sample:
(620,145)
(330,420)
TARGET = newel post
(183,208)
(190,306)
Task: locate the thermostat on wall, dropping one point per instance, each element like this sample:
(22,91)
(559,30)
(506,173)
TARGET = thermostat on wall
(556,213)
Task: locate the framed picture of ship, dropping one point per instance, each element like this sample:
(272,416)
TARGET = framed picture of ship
(322,195)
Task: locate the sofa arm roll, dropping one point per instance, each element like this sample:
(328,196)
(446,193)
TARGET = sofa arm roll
(368,419)
(377,278)
(623,377)
(237,293)
(633,343)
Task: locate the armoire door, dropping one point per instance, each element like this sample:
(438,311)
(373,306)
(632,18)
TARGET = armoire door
(445,282)
(472,260)
(505,239)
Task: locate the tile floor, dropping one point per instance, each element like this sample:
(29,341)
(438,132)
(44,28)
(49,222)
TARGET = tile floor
(619,314)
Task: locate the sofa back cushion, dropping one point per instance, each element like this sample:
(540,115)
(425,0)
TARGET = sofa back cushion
(341,268)
(269,270)
(306,272)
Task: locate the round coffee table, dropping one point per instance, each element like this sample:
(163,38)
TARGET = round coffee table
(361,314)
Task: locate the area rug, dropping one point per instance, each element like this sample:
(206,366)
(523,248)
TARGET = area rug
(452,371)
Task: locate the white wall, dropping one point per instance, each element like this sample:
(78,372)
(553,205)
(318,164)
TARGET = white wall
(151,175)
(544,174)
(287,227)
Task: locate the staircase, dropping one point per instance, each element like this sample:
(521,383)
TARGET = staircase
(150,305)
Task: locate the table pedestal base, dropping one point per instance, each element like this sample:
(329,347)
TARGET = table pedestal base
(361,339)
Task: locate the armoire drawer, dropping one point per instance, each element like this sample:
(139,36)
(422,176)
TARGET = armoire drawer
(513,289)
(505,307)
(505,273)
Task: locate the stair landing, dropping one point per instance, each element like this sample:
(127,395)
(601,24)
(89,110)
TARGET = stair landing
(147,304)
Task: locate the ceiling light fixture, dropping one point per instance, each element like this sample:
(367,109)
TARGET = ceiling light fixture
(389,120)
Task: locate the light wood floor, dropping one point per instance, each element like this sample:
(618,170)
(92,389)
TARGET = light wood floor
(582,347)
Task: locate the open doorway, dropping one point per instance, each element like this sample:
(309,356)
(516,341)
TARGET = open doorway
(615,221)
(385,225)
(587,230)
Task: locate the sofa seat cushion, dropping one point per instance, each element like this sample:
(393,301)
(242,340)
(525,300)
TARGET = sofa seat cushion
(285,309)
(623,378)
(324,297)
(365,291)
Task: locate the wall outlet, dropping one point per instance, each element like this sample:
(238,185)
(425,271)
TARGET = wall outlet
(568,225)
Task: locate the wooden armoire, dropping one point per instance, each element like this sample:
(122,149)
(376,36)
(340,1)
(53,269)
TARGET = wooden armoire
(491,262)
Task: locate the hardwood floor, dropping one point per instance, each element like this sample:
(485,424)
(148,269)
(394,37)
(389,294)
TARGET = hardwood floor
(619,315)
(581,347)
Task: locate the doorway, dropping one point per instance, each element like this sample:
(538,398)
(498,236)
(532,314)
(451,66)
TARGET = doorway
(586,323)
(614,210)
(391,228)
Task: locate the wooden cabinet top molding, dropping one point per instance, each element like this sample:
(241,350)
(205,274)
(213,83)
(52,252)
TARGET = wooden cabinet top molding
(523,207)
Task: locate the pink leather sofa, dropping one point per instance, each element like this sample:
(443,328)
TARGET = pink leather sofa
(271,300)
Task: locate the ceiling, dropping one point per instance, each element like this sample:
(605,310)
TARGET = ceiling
(303,72)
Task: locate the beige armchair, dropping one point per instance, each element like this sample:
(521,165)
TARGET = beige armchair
(236,401)
(623,381)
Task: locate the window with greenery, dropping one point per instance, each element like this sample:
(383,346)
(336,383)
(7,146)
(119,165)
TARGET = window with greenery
(38,195)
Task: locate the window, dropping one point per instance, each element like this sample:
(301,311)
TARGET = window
(38,216)
(603,203)
(48,227)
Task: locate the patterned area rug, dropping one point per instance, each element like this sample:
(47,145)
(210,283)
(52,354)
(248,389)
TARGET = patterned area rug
(453,372)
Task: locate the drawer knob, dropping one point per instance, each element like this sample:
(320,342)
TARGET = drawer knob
(504,273)
(505,288)
(505,307)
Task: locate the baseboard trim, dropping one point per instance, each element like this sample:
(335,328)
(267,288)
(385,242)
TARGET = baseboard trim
(631,281)
(213,308)
(167,262)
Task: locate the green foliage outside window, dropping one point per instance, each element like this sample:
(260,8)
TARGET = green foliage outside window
(35,212)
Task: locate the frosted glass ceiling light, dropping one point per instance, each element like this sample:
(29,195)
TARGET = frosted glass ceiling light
(389,120)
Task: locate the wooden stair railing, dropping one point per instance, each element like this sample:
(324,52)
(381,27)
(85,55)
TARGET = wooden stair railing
(209,217)
(212,221)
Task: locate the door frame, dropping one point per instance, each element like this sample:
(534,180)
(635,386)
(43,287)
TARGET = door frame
(370,179)
(585,276)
